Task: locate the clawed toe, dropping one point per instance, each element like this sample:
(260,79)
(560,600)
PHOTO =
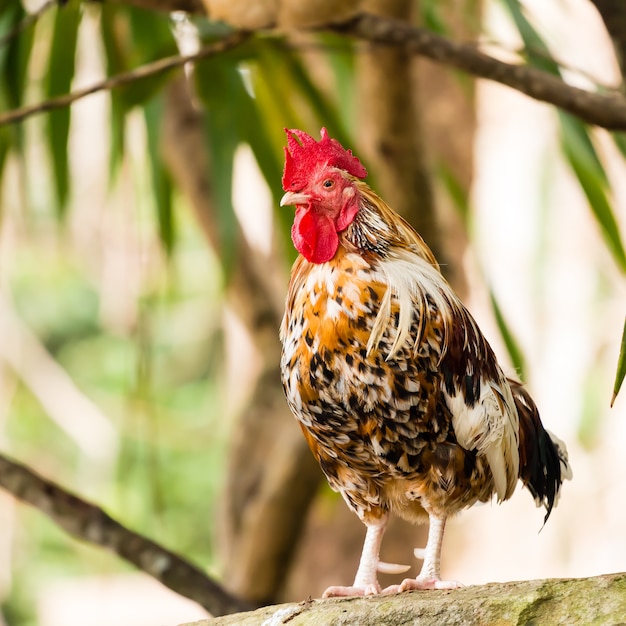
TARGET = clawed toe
(350,592)
(410,584)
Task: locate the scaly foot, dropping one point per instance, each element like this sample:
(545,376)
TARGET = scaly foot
(350,592)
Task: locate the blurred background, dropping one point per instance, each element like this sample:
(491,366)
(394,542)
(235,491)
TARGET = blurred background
(144,262)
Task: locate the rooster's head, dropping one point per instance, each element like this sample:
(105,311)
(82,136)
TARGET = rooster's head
(318,178)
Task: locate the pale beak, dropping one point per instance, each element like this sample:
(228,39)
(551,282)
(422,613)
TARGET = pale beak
(291,197)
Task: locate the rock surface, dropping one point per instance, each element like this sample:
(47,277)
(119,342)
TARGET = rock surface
(599,601)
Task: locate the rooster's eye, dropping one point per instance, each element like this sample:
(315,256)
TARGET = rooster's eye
(328,183)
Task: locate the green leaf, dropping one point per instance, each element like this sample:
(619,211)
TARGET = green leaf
(431,16)
(161,180)
(577,143)
(341,56)
(268,156)
(456,190)
(285,96)
(537,51)
(220,87)
(582,156)
(621,366)
(14,60)
(152,39)
(59,80)
(115,64)
(295,77)
(513,348)
(15,55)
(131,38)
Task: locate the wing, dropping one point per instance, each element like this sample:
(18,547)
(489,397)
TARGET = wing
(484,415)
(475,389)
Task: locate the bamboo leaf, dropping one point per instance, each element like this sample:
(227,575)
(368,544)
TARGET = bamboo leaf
(59,78)
(299,80)
(577,143)
(513,348)
(283,91)
(456,190)
(161,180)
(537,51)
(115,64)
(620,374)
(220,87)
(431,16)
(14,59)
(341,57)
(584,160)
(266,153)
(151,38)
(15,54)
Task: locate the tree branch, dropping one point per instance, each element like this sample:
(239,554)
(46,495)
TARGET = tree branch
(605,110)
(89,523)
(144,71)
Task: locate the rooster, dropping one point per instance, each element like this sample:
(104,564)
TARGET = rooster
(398,394)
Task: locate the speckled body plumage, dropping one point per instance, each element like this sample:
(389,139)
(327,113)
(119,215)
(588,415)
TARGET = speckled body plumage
(380,427)
(399,395)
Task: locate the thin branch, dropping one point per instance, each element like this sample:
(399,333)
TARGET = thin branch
(89,523)
(607,111)
(144,71)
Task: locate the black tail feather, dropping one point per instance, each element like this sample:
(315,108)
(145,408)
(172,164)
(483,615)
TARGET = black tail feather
(543,458)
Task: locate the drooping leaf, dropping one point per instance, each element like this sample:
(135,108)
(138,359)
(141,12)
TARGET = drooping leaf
(132,37)
(430,11)
(456,190)
(59,79)
(221,89)
(296,77)
(512,346)
(15,54)
(110,23)
(536,50)
(14,59)
(586,164)
(620,374)
(152,39)
(340,53)
(266,154)
(161,180)
(576,141)
(286,96)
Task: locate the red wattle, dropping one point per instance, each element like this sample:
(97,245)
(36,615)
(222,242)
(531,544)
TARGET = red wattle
(314,236)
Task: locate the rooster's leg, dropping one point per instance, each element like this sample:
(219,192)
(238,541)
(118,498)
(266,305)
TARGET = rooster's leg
(429,577)
(366,580)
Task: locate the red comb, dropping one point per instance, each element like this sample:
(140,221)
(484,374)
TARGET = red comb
(303,154)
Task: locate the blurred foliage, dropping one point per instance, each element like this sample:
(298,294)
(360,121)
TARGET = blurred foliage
(146,349)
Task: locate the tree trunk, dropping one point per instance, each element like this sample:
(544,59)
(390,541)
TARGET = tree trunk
(271,476)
